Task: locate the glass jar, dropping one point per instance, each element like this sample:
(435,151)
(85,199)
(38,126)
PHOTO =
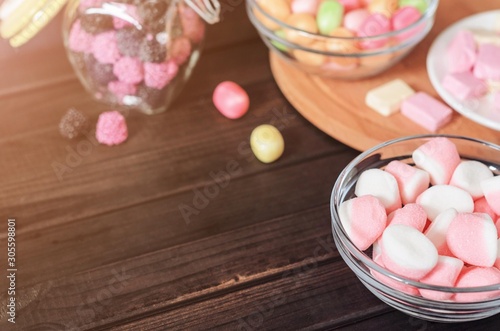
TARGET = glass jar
(133,53)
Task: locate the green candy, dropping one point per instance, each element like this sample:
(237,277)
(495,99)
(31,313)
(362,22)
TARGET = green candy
(329,16)
(421,5)
(277,44)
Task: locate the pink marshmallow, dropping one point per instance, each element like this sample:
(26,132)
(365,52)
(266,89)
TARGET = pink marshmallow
(439,198)
(193,26)
(392,283)
(305,6)
(404,17)
(477,276)
(487,64)
(363,219)
(468,176)
(381,185)
(461,54)
(436,232)
(231,99)
(473,239)
(464,85)
(439,157)
(111,128)
(445,273)
(354,19)
(374,25)
(407,251)
(412,215)
(482,206)
(426,111)
(491,190)
(411,180)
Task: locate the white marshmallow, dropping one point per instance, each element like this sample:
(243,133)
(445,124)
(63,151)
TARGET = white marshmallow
(381,185)
(411,180)
(439,198)
(468,176)
(436,232)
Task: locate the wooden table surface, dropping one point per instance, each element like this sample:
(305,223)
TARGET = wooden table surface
(105,244)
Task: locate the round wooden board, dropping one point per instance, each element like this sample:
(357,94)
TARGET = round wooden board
(337,107)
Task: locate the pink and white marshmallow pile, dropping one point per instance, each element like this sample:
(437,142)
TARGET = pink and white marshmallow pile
(437,222)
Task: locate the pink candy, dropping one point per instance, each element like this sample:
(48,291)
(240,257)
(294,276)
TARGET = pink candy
(491,190)
(412,215)
(305,6)
(355,18)
(381,185)
(158,75)
(374,25)
(181,50)
(121,89)
(79,40)
(464,85)
(477,276)
(461,53)
(231,100)
(411,181)
(129,70)
(105,47)
(426,111)
(488,63)
(403,18)
(111,128)
(445,273)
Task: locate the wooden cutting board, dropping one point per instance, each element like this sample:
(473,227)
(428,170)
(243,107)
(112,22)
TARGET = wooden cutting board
(337,106)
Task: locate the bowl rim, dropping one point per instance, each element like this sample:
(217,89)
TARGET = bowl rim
(429,12)
(368,261)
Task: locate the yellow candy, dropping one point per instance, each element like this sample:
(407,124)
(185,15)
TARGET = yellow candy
(278,9)
(385,7)
(305,22)
(310,58)
(343,46)
(267,143)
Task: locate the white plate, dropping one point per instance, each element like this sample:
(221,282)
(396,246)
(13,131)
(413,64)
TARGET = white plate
(480,110)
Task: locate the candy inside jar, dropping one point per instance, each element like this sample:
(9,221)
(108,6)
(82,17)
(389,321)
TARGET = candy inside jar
(134,53)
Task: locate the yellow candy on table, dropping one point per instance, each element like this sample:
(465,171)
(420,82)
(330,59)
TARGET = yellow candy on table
(311,58)
(384,7)
(304,22)
(267,143)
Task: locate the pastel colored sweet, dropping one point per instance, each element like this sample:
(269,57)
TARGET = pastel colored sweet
(278,9)
(497,225)
(468,176)
(304,6)
(421,5)
(491,190)
(404,17)
(364,219)
(105,47)
(387,98)
(487,64)
(350,5)
(494,88)
(193,26)
(392,283)
(267,143)
(439,198)
(407,251)
(412,215)
(426,111)
(231,100)
(411,180)
(311,58)
(304,22)
(329,16)
(159,75)
(121,89)
(436,232)
(111,128)
(342,46)
(477,276)
(79,40)
(445,273)
(482,206)
(380,184)
(181,50)
(374,25)
(473,239)
(439,157)
(464,85)
(461,54)
(384,7)
(486,36)
(129,70)
(354,18)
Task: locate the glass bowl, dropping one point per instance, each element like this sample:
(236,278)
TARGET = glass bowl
(342,56)
(361,262)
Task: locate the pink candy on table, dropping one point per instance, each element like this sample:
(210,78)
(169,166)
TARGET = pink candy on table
(461,54)
(181,50)
(477,276)
(158,75)
(105,47)
(350,4)
(445,273)
(129,70)
(231,100)
(404,17)
(305,6)
(355,18)
(426,111)
(79,40)
(488,62)
(374,25)
(464,85)
(411,180)
(111,128)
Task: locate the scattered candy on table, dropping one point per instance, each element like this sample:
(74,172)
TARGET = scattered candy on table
(73,123)
(231,100)
(459,247)
(267,143)
(111,128)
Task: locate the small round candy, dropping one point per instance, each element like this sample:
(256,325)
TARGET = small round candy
(231,100)
(278,9)
(404,17)
(305,22)
(329,16)
(354,19)
(350,4)
(267,143)
(421,5)
(305,6)
(311,58)
(374,25)
(384,7)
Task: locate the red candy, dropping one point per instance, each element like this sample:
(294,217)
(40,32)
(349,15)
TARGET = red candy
(231,100)
(374,25)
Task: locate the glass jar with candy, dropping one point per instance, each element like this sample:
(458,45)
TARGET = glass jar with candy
(133,53)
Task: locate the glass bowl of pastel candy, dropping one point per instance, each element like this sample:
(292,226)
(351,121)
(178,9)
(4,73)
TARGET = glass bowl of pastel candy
(345,39)
(417,219)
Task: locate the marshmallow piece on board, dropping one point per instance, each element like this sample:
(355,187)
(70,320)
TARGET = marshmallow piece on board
(380,184)
(477,276)
(426,111)
(439,157)
(407,251)
(411,214)
(439,198)
(464,85)
(487,64)
(491,190)
(468,176)
(445,273)
(482,206)
(364,219)
(392,283)
(461,53)
(436,232)
(411,180)
(387,98)
(473,239)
